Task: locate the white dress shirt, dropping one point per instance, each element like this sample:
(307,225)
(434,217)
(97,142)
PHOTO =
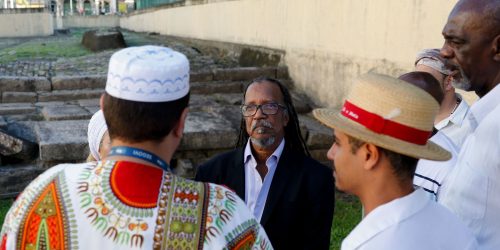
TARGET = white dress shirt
(410,222)
(473,191)
(256,190)
(451,125)
(431,175)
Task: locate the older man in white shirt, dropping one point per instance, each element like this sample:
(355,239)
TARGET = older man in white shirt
(472,40)
(380,133)
(453,108)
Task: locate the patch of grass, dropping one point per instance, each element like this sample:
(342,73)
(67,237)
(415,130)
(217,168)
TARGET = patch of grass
(347,215)
(46,50)
(4,208)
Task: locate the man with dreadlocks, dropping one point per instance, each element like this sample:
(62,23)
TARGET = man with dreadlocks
(271,169)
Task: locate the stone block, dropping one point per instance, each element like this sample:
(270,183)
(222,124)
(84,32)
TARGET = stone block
(256,57)
(230,113)
(45,104)
(78,82)
(88,102)
(3,122)
(184,168)
(68,95)
(320,155)
(63,140)
(228,99)
(201,101)
(207,131)
(24,84)
(282,73)
(98,40)
(301,103)
(65,112)
(201,76)
(25,130)
(13,179)
(17,148)
(216,87)
(16,109)
(10,97)
(318,135)
(92,109)
(243,74)
(9,144)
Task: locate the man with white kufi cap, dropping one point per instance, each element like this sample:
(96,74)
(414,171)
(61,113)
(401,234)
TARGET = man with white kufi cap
(380,133)
(130,199)
(98,137)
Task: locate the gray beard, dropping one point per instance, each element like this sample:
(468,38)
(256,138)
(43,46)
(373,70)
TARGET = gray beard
(463,83)
(263,143)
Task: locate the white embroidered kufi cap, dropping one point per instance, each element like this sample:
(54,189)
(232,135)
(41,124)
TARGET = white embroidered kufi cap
(96,130)
(148,74)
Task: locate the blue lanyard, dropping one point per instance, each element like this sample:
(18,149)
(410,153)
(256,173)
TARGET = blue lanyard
(140,154)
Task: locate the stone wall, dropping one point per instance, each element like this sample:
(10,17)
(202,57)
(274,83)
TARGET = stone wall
(91,21)
(327,43)
(25,23)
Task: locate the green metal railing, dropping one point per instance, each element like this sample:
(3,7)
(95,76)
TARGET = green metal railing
(144,4)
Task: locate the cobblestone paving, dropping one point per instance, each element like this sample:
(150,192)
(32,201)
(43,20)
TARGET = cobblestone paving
(96,63)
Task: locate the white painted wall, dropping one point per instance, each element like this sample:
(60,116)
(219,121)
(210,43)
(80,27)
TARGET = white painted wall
(328,43)
(91,21)
(26,24)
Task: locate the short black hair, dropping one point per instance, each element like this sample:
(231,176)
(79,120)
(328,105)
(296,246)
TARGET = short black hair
(137,122)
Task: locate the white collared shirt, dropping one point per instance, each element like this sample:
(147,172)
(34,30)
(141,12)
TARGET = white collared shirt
(473,187)
(410,222)
(256,190)
(431,175)
(451,125)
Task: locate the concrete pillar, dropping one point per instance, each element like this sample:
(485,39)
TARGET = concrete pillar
(59,24)
(96,7)
(112,6)
(12,4)
(71,7)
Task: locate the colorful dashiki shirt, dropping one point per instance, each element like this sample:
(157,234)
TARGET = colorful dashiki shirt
(127,205)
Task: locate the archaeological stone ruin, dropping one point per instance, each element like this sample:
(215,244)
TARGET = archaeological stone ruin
(46,106)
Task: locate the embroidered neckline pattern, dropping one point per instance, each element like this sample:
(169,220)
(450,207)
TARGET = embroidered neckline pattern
(123,224)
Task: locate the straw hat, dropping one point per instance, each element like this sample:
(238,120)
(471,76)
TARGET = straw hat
(389,113)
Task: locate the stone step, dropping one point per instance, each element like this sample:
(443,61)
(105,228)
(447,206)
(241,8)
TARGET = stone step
(207,128)
(36,84)
(69,95)
(13,179)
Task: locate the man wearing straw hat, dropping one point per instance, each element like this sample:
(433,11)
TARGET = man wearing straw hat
(380,133)
(130,199)
(472,40)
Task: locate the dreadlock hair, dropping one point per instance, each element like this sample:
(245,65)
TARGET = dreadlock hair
(293,135)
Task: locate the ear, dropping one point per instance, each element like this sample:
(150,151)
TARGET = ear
(178,130)
(371,156)
(496,48)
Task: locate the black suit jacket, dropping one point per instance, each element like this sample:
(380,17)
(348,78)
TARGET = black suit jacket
(299,208)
